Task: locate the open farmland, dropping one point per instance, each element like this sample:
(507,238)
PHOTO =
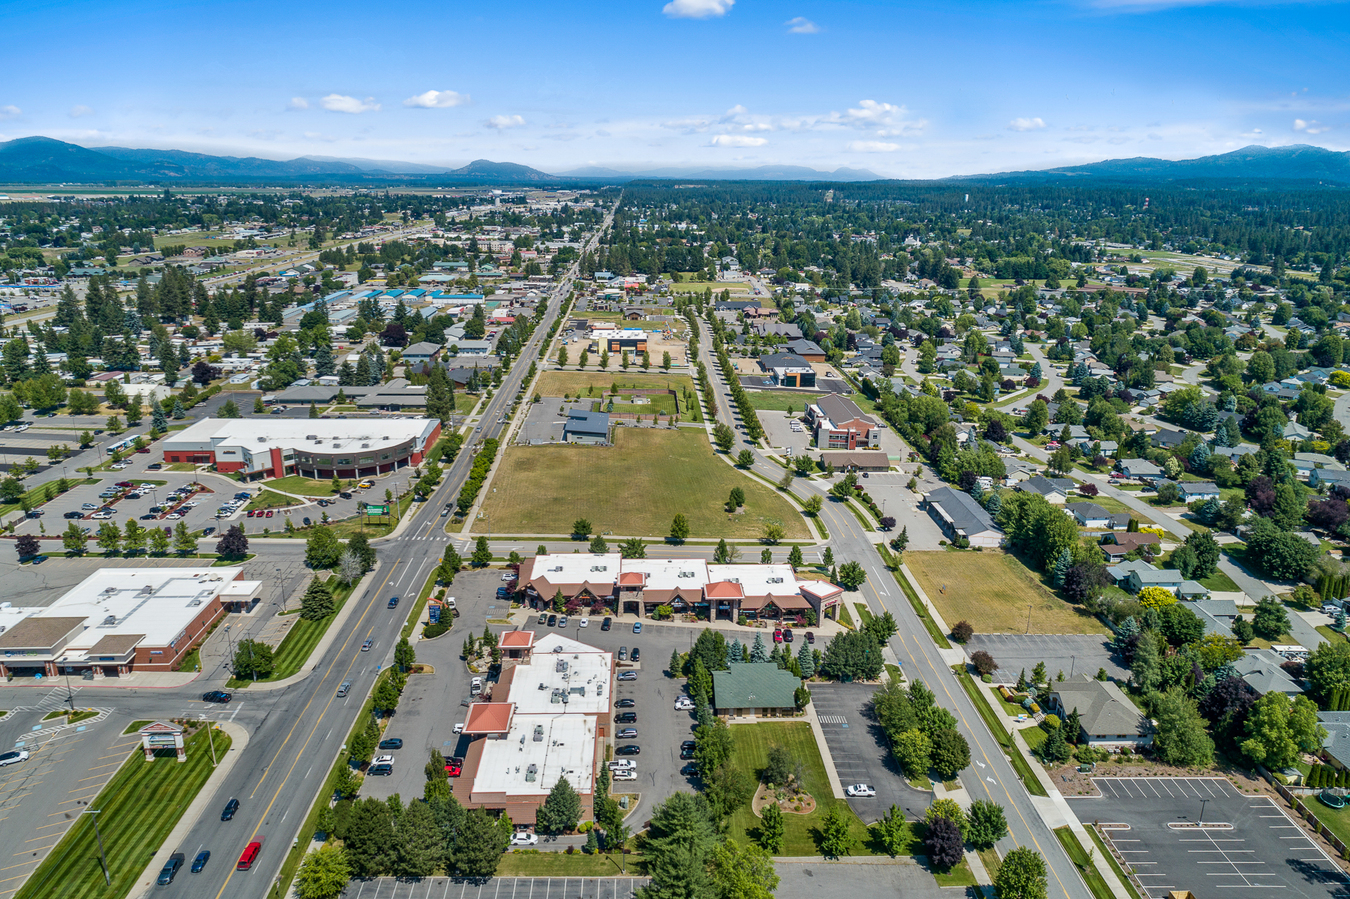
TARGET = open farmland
(993,590)
(635,487)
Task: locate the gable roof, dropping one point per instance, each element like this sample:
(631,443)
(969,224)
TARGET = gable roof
(1103,710)
(964,513)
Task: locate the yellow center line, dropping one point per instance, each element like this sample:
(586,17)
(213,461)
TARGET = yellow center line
(254,835)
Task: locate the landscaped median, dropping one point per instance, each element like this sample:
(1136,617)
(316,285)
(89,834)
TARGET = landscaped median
(137,810)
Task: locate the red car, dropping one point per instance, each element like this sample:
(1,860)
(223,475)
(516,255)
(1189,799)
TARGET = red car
(269,513)
(454,767)
(125,484)
(777,636)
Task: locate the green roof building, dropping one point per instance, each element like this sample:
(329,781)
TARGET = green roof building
(754,689)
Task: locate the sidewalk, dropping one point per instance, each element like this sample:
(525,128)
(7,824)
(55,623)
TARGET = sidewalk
(204,798)
(953,656)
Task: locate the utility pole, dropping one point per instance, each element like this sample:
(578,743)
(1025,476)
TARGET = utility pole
(107,879)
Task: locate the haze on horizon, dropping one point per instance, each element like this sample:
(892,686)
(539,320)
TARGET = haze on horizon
(903,89)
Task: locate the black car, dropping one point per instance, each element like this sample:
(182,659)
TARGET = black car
(393,602)
(606,624)
(687,750)
(216,696)
(384,768)
(635,655)
(74,515)
(171,868)
(625,704)
(306,522)
(207,532)
(629,749)
(323,502)
(543,618)
(392,743)
(552,620)
(810,637)
(345,495)
(230,808)
(689,770)
(200,861)
(626,718)
(787,635)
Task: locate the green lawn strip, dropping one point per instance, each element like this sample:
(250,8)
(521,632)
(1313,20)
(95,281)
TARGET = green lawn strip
(751,753)
(134,726)
(991,861)
(1000,733)
(864,613)
(299,642)
(1331,635)
(845,617)
(269,500)
(772,401)
(1336,820)
(533,863)
(415,613)
(917,604)
(78,716)
(1218,581)
(1035,737)
(1078,855)
(139,807)
(1111,860)
(301,486)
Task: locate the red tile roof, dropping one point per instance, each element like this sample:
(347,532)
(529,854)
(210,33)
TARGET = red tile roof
(489,718)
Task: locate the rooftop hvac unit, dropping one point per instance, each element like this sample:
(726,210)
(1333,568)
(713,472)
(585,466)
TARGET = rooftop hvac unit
(539,733)
(109,621)
(311,436)
(147,590)
(560,666)
(262,439)
(775,580)
(108,591)
(559,568)
(365,446)
(531,773)
(195,602)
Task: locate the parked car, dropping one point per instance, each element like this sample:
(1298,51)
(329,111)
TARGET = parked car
(543,618)
(454,766)
(637,627)
(524,838)
(606,624)
(623,653)
(81,515)
(383,769)
(628,733)
(626,718)
(684,704)
(562,621)
(687,749)
(787,635)
(625,704)
(860,790)
(810,637)
(392,743)
(627,675)
(13,757)
(383,760)
(552,620)
(777,635)
(629,749)
(635,656)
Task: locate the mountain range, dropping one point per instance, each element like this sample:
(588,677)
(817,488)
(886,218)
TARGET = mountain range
(44,160)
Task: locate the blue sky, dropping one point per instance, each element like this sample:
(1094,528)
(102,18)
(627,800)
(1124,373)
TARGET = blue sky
(905,89)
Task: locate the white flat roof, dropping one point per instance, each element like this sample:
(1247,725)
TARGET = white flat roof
(670,574)
(566,749)
(757,580)
(157,602)
(334,435)
(573,568)
(581,672)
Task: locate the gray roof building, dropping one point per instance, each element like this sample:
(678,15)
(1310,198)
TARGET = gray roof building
(1105,713)
(959,515)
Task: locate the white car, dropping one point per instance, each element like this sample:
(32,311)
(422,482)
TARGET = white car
(459,728)
(624,774)
(524,838)
(13,758)
(860,790)
(508,575)
(584,622)
(684,704)
(383,759)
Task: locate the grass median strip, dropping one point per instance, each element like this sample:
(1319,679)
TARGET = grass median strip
(1115,865)
(138,808)
(1000,732)
(300,641)
(1078,855)
(893,563)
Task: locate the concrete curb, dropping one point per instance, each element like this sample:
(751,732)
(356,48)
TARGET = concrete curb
(145,883)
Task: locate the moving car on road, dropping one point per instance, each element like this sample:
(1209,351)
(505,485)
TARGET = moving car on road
(200,861)
(230,808)
(217,696)
(170,868)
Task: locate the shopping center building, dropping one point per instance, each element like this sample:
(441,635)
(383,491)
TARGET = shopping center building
(314,448)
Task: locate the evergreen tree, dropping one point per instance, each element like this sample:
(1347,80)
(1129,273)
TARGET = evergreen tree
(1062,566)
(758,652)
(806,660)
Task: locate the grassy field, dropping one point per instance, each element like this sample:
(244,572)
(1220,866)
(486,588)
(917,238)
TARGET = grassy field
(140,805)
(533,863)
(301,486)
(992,590)
(717,287)
(662,403)
(635,487)
(575,383)
(269,500)
(1113,505)
(753,742)
(773,401)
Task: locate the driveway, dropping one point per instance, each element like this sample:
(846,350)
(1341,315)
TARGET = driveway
(858,747)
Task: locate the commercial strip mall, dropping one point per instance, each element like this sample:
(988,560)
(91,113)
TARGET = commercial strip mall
(310,447)
(120,620)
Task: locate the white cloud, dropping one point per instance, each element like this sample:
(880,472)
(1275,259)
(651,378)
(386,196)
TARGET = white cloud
(79,111)
(351,105)
(501,122)
(1310,127)
(873,146)
(437,100)
(873,113)
(9,112)
(801,25)
(1025,124)
(298,103)
(697,9)
(737,140)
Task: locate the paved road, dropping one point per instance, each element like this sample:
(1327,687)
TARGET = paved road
(991,775)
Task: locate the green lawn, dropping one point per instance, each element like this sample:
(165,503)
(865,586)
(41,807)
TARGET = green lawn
(659,403)
(775,401)
(269,500)
(753,742)
(139,807)
(301,486)
(1102,852)
(1218,581)
(300,640)
(1078,855)
(635,487)
(1336,820)
(596,383)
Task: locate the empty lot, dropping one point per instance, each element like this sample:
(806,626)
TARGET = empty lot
(995,593)
(635,487)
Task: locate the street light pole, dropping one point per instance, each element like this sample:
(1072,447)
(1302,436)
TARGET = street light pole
(107,879)
(70,696)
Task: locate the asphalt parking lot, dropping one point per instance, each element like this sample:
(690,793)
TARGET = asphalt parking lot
(496,888)
(544,421)
(1070,653)
(858,747)
(1248,847)
(41,798)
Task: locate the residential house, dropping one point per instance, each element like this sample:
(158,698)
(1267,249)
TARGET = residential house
(1197,490)
(1117,546)
(1106,717)
(1260,668)
(1140,469)
(421,352)
(807,349)
(1088,515)
(1055,490)
(1135,576)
